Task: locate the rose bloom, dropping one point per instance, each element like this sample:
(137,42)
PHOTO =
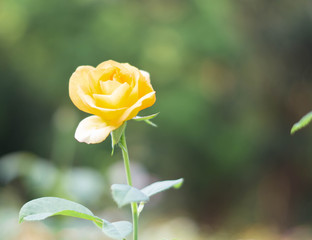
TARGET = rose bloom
(113,92)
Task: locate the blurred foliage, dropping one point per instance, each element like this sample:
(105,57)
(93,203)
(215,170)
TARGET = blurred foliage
(231,78)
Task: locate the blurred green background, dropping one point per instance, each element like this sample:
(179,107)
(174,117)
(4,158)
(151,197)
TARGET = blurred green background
(231,78)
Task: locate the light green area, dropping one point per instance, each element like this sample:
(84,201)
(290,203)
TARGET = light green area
(303,122)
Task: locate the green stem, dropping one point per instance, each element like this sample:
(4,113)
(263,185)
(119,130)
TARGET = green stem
(134,207)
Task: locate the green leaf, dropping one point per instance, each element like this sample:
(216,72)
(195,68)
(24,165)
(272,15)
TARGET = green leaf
(45,207)
(42,208)
(124,194)
(157,187)
(116,135)
(117,230)
(144,118)
(150,123)
(304,121)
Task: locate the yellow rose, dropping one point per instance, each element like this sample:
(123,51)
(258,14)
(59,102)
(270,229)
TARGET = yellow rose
(114,92)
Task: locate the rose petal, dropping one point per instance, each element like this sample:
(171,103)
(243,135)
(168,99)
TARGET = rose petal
(93,130)
(113,92)
(144,102)
(144,84)
(107,113)
(116,99)
(80,80)
(109,86)
(147,101)
(123,71)
(145,74)
(107,64)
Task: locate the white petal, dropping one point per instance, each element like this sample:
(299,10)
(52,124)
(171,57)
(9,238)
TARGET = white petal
(93,130)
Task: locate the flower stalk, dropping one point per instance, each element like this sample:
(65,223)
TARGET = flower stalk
(114,93)
(134,207)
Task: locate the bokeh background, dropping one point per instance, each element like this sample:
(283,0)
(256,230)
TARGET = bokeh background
(231,78)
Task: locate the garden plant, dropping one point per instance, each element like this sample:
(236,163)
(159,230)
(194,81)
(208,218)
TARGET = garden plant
(113,93)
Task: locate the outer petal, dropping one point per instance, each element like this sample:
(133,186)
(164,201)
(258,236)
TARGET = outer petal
(108,64)
(144,102)
(80,82)
(145,74)
(144,84)
(93,130)
(147,101)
